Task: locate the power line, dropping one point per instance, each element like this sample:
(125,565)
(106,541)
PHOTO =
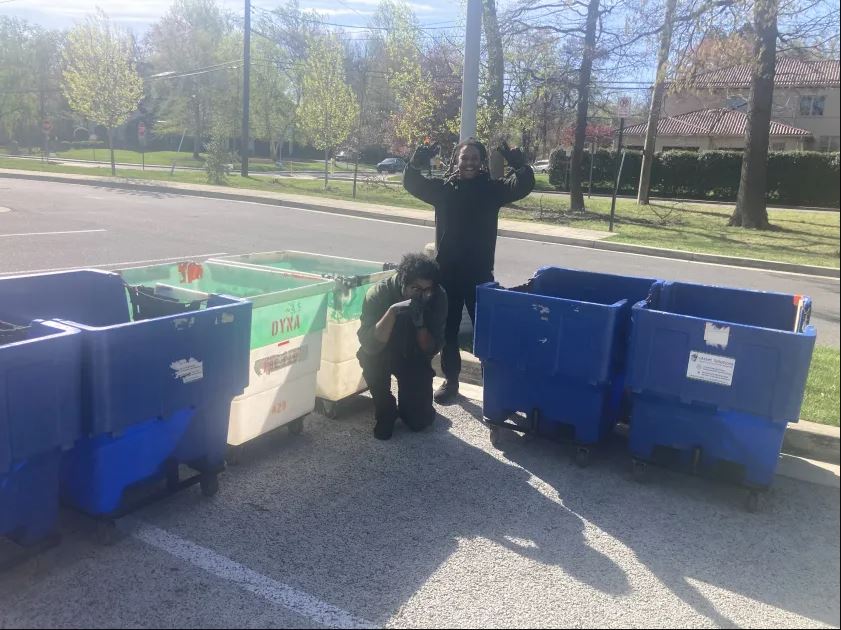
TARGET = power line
(367,28)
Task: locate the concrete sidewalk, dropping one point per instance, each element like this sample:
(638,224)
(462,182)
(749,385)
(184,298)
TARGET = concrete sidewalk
(507,227)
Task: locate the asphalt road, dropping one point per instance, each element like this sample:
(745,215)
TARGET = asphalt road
(438,529)
(54,225)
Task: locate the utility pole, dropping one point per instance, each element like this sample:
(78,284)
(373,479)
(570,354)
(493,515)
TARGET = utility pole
(246,84)
(470,81)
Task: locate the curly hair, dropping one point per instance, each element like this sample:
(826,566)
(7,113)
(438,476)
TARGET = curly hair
(417,266)
(452,169)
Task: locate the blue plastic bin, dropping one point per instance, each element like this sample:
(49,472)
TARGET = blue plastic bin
(156,387)
(716,374)
(557,347)
(39,416)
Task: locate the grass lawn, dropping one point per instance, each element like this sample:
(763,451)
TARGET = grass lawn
(164,158)
(799,237)
(185,158)
(822,399)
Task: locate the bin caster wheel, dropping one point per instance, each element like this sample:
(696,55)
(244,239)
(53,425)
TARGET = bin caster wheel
(752,501)
(328,408)
(495,436)
(296,427)
(638,470)
(582,457)
(209,485)
(106,533)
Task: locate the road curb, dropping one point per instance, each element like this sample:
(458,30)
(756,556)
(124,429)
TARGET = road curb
(182,189)
(804,439)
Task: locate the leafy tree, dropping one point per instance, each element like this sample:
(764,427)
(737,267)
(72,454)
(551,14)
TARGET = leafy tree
(328,109)
(100,81)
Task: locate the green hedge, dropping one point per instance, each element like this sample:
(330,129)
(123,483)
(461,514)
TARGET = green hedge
(794,177)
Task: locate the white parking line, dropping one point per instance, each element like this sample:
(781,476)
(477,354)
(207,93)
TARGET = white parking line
(53,233)
(276,592)
(127,263)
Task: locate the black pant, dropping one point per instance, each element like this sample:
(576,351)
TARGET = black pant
(461,292)
(414,383)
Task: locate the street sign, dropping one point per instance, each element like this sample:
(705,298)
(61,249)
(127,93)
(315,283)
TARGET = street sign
(46,126)
(623,108)
(141,130)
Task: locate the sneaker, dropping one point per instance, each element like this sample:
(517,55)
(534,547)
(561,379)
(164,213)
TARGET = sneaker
(446,393)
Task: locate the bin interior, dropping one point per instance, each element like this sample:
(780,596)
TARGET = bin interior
(238,282)
(11,333)
(89,297)
(738,306)
(93,298)
(586,286)
(15,333)
(303,262)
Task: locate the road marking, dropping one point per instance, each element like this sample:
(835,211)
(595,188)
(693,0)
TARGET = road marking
(268,588)
(53,233)
(126,264)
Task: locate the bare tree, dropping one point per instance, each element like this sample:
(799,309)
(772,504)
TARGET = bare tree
(656,102)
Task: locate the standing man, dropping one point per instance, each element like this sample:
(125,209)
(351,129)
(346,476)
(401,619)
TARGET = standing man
(402,328)
(467,203)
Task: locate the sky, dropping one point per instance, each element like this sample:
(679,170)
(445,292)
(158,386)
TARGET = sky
(138,15)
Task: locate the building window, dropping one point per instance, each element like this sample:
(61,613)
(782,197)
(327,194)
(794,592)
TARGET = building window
(812,105)
(778,146)
(680,149)
(828,143)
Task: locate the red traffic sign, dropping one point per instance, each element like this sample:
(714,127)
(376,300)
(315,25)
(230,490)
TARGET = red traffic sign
(46,126)
(141,129)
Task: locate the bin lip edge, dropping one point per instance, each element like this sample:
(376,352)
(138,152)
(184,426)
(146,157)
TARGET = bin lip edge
(234,303)
(495,286)
(296,251)
(808,331)
(61,329)
(375,275)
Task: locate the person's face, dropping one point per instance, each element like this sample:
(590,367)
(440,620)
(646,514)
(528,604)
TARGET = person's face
(469,162)
(419,288)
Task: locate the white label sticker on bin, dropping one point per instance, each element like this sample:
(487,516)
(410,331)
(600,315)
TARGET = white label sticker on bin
(711,368)
(717,336)
(188,370)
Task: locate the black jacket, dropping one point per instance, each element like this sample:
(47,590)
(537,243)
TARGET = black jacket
(378,300)
(467,215)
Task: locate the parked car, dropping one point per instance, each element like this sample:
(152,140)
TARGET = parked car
(391,165)
(541,166)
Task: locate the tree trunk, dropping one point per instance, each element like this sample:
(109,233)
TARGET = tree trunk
(326,154)
(576,192)
(496,76)
(111,148)
(656,104)
(751,211)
